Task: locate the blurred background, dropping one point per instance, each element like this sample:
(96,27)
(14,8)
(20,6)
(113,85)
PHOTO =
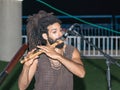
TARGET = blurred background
(98,21)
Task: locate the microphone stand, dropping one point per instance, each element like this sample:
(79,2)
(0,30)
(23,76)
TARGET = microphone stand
(109,60)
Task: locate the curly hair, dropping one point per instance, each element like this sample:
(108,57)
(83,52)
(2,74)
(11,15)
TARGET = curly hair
(37,25)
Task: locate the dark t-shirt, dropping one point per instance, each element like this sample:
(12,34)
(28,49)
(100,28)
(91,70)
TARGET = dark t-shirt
(47,78)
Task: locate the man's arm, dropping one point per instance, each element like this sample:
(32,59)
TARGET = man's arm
(27,73)
(75,65)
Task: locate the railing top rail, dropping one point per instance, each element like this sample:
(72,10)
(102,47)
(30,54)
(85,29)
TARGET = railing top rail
(81,16)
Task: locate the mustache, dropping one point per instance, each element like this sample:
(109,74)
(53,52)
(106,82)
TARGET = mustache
(60,46)
(51,41)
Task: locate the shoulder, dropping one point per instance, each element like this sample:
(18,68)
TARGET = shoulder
(70,47)
(74,51)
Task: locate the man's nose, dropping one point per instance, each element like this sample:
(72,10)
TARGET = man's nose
(60,34)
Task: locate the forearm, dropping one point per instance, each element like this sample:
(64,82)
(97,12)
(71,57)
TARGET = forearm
(23,80)
(75,68)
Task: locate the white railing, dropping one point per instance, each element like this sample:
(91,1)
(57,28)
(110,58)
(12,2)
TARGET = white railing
(109,45)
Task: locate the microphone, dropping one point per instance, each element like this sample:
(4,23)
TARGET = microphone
(72,31)
(69,31)
(71,27)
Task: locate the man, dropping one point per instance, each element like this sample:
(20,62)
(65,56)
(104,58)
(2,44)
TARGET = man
(54,68)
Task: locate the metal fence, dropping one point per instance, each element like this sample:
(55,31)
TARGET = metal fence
(109,45)
(106,40)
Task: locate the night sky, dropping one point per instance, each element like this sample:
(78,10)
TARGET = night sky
(74,7)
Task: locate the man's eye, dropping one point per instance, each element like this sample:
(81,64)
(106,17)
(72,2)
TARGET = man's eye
(54,32)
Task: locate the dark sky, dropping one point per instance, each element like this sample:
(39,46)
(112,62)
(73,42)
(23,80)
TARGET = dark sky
(74,7)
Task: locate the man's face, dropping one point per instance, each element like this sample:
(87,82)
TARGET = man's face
(54,33)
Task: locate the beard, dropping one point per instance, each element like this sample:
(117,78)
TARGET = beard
(59,46)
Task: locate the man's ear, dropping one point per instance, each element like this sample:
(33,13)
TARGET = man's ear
(44,35)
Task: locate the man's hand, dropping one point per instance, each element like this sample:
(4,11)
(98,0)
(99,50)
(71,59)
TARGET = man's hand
(50,51)
(29,61)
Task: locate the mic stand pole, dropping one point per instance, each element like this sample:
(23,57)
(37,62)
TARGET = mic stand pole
(109,59)
(108,74)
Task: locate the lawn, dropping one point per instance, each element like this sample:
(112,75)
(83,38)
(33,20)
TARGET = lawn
(95,78)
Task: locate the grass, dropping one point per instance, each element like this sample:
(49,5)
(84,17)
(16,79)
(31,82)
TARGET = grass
(95,78)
